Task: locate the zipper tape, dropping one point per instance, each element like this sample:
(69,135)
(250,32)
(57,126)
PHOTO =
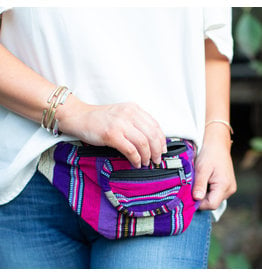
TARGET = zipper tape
(174,148)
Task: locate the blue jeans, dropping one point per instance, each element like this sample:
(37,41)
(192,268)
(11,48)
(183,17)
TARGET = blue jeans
(39,230)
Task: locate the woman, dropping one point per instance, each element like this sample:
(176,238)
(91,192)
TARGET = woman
(138,75)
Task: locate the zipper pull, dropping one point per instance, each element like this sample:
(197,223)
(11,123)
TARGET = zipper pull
(173,162)
(182,176)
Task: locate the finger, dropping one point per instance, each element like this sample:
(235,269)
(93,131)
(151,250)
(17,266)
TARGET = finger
(219,190)
(156,150)
(162,140)
(140,141)
(154,125)
(202,175)
(128,150)
(155,139)
(213,199)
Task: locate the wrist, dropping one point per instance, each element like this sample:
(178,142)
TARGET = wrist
(219,121)
(68,115)
(218,135)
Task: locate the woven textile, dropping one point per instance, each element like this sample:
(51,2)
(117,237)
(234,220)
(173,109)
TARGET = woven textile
(118,200)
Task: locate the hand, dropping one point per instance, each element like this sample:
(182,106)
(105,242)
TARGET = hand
(124,126)
(214,168)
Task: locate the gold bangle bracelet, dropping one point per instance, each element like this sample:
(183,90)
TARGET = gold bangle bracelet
(221,122)
(58,96)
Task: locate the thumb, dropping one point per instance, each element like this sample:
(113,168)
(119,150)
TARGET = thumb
(201,181)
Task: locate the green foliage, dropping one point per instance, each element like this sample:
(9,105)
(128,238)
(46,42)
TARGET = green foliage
(237,261)
(248,37)
(249,34)
(218,258)
(215,252)
(257,66)
(256,144)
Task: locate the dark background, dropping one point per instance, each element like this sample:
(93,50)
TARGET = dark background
(237,238)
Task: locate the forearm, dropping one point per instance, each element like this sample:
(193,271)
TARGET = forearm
(21,89)
(124,126)
(25,92)
(214,166)
(217,94)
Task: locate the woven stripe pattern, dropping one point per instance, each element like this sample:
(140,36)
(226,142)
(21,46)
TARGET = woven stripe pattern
(120,201)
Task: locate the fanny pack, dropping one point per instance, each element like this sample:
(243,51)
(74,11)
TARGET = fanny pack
(118,200)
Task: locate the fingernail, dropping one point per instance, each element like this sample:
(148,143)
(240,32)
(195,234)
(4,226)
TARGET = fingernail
(146,164)
(164,150)
(158,161)
(138,166)
(198,195)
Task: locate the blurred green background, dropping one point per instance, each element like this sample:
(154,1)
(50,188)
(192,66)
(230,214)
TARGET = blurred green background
(237,238)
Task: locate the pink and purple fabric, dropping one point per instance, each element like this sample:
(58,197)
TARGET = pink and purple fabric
(120,201)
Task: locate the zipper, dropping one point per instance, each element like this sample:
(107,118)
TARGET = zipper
(127,175)
(174,148)
(182,176)
(97,151)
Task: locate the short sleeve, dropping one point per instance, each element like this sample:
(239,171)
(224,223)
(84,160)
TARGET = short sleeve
(218,28)
(3,9)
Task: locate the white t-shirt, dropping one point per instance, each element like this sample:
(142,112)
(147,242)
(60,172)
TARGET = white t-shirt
(152,56)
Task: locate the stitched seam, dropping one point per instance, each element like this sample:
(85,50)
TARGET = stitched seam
(206,252)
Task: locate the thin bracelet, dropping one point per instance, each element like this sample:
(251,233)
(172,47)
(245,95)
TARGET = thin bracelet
(46,113)
(53,106)
(222,122)
(49,114)
(58,96)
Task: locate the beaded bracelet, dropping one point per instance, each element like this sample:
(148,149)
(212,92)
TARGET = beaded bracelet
(58,96)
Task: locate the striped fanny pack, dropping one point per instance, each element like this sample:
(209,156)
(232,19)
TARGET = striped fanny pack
(118,200)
